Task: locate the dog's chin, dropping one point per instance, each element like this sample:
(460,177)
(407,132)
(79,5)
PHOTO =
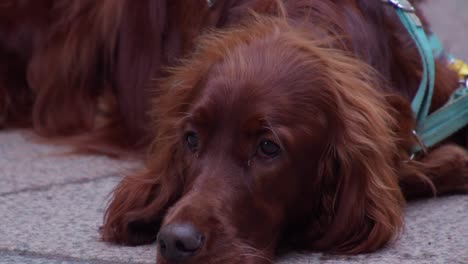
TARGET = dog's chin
(240,259)
(227,253)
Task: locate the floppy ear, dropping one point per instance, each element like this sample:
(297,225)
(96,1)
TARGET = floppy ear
(140,201)
(361,204)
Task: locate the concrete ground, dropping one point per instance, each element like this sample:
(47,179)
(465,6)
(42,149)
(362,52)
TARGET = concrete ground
(51,206)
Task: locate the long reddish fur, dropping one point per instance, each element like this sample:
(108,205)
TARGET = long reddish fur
(81,73)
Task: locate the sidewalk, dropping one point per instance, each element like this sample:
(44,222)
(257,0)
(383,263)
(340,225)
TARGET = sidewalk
(51,206)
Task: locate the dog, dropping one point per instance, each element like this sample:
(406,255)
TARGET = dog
(269,125)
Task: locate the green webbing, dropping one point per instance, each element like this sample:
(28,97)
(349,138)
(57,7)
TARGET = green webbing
(451,117)
(445,121)
(422,100)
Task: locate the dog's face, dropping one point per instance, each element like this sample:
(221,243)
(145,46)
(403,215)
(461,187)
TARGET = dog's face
(265,137)
(279,140)
(250,143)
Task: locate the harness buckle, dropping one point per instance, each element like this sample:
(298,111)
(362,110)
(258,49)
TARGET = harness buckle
(210,3)
(464,82)
(404,5)
(423,148)
(461,68)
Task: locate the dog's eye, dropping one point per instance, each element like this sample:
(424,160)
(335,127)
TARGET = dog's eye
(191,139)
(269,149)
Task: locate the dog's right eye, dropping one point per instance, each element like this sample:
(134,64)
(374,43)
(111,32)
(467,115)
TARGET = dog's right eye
(191,139)
(269,149)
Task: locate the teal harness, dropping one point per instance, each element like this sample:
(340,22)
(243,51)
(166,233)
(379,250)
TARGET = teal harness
(439,125)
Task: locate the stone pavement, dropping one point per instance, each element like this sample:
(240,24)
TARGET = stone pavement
(52,205)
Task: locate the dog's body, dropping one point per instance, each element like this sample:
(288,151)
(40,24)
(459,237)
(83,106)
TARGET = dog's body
(292,127)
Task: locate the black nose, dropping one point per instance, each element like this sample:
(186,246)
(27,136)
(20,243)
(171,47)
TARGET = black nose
(179,241)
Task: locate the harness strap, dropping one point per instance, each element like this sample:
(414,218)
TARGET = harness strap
(422,100)
(452,116)
(445,121)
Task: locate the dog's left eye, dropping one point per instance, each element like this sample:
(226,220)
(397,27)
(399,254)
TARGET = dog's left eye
(268,149)
(191,139)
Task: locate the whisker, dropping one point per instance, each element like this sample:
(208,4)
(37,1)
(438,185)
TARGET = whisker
(258,256)
(256,253)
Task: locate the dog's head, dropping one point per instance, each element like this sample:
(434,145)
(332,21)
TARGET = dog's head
(268,136)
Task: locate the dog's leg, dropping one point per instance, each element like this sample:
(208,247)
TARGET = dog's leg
(443,170)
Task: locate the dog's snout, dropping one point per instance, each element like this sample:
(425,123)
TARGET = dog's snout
(179,241)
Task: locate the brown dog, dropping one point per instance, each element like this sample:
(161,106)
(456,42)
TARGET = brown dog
(291,128)
(277,132)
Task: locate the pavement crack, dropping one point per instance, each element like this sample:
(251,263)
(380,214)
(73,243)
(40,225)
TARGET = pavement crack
(50,186)
(61,258)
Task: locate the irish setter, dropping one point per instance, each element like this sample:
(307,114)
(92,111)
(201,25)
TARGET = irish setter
(269,124)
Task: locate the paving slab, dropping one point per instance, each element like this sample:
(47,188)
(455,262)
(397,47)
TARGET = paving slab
(33,260)
(62,222)
(26,165)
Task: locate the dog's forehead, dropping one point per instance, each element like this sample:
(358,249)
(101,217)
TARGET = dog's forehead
(241,83)
(251,106)
(229,103)
(252,83)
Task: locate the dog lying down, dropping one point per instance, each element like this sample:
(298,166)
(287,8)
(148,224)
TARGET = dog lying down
(272,125)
